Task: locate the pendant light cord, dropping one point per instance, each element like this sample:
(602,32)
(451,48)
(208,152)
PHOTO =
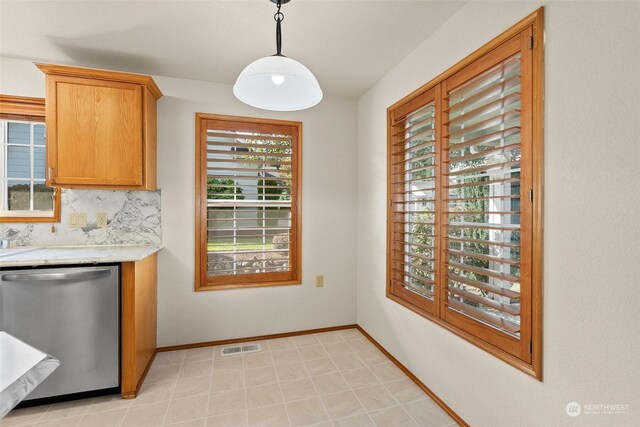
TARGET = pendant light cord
(279,17)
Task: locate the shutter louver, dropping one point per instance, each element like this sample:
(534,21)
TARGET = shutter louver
(251,204)
(482,205)
(413,204)
(464,230)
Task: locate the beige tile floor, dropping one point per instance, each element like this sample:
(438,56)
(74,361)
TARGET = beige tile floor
(328,379)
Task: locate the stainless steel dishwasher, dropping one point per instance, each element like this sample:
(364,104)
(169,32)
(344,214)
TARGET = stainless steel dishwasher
(72,313)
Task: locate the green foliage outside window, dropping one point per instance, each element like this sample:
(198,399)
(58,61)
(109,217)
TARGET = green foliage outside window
(272,190)
(223,189)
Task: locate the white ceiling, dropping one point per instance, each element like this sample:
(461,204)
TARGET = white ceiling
(348,45)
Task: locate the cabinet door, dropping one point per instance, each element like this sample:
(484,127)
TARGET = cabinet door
(94,131)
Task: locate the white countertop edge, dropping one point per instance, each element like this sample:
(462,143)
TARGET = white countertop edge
(17,359)
(22,369)
(58,255)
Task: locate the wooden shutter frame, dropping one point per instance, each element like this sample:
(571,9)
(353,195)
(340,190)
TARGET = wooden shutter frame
(204,283)
(526,353)
(393,288)
(517,347)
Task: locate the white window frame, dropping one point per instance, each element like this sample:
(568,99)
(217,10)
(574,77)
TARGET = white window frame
(4,189)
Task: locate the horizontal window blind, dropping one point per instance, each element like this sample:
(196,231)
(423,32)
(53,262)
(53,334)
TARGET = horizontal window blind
(483,134)
(413,206)
(461,226)
(251,189)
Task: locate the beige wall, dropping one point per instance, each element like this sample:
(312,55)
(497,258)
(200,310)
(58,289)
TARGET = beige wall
(592,225)
(20,78)
(328,210)
(328,225)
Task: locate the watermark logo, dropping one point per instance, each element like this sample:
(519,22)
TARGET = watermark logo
(573,409)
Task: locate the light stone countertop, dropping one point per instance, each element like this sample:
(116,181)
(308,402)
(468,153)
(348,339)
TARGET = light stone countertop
(22,369)
(56,255)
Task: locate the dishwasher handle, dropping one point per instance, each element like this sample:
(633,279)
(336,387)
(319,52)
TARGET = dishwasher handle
(57,277)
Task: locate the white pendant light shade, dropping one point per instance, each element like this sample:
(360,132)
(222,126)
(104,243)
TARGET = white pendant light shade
(277,83)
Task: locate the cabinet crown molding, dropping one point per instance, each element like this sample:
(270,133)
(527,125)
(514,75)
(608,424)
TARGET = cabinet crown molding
(93,73)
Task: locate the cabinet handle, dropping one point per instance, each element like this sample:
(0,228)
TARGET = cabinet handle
(51,174)
(67,276)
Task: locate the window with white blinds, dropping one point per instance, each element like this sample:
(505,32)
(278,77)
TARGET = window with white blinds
(464,225)
(249,189)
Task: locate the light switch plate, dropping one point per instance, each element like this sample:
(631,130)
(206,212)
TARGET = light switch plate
(82,219)
(319,280)
(101,219)
(77,220)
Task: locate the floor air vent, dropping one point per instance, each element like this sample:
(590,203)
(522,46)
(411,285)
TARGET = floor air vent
(251,348)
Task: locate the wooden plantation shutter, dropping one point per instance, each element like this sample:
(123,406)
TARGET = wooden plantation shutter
(249,217)
(486,218)
(412,182)
(464,159)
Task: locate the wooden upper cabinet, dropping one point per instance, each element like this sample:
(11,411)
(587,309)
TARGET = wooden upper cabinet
(101,128)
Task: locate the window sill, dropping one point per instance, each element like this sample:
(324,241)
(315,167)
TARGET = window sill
(533,370)
(27,219)
(225,286)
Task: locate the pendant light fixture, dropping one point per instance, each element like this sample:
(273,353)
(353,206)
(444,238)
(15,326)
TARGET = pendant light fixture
(276,82)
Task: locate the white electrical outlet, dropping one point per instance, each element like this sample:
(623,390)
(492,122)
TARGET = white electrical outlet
(101,219)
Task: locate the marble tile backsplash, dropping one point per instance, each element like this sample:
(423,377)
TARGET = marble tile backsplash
(133,218)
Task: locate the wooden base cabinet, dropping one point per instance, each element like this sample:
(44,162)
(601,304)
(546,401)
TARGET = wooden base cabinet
(101,128)
(138,322)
